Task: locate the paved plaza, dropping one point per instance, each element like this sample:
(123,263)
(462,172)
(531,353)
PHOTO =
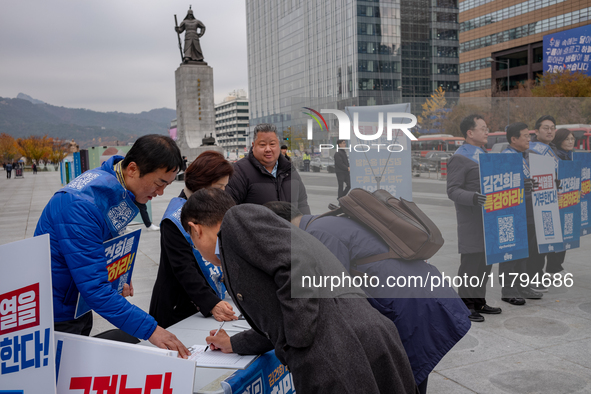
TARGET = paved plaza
(541,347)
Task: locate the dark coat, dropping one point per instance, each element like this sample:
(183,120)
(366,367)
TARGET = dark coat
(429,322)
(180,289)
(463,181)
(253,184)
(331,345)
(341,162)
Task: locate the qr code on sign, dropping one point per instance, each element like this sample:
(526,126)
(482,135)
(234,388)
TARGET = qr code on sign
(584,214)
(548,223)
(568,223)
(506,229)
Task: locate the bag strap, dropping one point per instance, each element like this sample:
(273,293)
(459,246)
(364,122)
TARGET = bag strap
(334,212)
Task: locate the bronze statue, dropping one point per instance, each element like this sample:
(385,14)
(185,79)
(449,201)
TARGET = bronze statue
(194,29)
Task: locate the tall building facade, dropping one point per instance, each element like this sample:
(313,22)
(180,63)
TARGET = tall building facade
(347,52)
(231,122)
(510,32)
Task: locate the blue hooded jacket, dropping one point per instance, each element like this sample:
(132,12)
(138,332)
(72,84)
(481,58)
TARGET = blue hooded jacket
(90,210)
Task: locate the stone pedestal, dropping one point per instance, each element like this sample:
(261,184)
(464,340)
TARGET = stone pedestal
(194,108)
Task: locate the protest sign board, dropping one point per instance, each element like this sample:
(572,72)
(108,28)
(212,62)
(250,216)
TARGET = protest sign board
(585,159)
(545,204)
(85,363)
(120,253)
(266,375)
(27,359)
(504,217)
(380,162)
(569,198)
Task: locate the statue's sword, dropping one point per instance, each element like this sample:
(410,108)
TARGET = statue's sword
(176,24)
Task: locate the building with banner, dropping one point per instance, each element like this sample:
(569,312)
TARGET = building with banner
(511,33)
(231,122)
(347,53)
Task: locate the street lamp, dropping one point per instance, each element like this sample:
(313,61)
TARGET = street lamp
(491,60)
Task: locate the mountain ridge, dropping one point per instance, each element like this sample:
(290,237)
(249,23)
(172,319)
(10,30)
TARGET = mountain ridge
(25,116)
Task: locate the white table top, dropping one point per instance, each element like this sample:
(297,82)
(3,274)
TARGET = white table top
(193,331)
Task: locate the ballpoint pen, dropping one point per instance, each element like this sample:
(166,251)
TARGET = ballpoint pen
(216,333)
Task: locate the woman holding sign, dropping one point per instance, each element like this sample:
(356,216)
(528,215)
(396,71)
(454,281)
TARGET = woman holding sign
(186,283)
(564,140)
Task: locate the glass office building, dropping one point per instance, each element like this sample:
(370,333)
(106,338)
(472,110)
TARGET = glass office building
(347,52)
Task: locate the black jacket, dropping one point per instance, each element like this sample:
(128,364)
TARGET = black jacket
(253,184)
(180,290)
(341,162)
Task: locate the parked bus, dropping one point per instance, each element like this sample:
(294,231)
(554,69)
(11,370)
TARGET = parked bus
(436,142)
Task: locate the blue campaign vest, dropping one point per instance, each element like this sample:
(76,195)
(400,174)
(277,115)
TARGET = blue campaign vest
(470,151)
(104,190)
(212,274)
(526,172)
(544,150)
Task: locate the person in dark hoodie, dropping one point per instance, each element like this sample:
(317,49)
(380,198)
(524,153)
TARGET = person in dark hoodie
(332,340)
(266,175)
(415,311)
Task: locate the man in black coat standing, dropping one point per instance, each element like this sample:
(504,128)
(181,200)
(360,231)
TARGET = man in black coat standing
(266,175)
(342,169)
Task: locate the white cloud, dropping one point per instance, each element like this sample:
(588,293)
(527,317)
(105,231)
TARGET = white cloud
(113,55)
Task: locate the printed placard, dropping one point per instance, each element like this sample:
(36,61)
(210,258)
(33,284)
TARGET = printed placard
(27,358)
(266,375)
(381,163)
(120,253)
(569,202)
(88,365)
(545,204)
(585,159)
(504,216)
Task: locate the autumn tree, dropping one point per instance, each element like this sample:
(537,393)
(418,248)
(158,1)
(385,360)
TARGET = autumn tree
(34,148)
(563,84)
(434,111)
(8,148)
(59,151)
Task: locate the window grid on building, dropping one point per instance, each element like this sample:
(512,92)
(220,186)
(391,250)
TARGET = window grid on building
(548,24)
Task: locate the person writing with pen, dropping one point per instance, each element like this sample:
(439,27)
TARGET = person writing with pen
(332,340)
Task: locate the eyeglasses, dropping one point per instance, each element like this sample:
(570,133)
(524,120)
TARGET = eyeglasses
(548,128)
(486,129)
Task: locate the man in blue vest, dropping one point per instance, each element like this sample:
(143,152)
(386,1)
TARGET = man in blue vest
(93,208)
(463,188)
(519,142)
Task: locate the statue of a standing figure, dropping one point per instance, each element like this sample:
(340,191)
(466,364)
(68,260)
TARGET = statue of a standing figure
(194,29)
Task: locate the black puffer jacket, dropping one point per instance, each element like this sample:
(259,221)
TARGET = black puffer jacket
(253,184)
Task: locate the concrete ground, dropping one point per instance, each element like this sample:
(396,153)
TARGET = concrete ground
(541,347)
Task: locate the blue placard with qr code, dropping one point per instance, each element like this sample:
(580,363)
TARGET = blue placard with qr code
(503,214)
(120,253)
(585,159)
(266,375)
(544,199)
(569,202)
